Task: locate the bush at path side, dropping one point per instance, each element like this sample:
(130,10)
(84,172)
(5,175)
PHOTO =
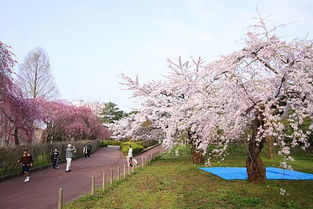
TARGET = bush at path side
(40,153)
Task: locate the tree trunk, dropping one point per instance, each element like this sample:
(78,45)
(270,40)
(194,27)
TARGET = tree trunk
(255,167)
(15,134)
(197,155)
(270,148)
(6,140)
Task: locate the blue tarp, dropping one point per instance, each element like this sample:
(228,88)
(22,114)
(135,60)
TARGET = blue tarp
(240,173)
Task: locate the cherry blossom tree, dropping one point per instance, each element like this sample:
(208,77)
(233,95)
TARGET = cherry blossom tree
(137,127)
(266,83)
(259,92)
(16,114)
(66,122)
(19,116)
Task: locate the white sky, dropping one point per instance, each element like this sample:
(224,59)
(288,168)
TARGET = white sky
(90,43)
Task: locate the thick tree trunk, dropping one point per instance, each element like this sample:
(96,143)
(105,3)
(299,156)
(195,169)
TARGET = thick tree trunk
(255,167)
(197,155)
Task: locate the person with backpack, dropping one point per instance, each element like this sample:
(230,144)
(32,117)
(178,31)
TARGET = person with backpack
(55,154)
(69,155)
(27,162)
(87,150)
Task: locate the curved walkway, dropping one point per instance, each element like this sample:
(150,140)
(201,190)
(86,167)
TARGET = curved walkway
(42,191)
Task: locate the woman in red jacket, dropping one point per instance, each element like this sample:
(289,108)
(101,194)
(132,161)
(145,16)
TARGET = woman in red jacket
(27,162)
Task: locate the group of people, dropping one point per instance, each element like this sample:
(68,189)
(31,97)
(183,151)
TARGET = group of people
(26,160)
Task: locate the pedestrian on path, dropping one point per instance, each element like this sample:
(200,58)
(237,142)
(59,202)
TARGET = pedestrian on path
(55,154)
(27,162)
(130,156)
(69,155)
(87,150)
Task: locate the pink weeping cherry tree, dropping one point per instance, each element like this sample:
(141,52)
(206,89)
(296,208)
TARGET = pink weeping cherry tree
(64,121)
(263,91)
(16,114)
(20,116)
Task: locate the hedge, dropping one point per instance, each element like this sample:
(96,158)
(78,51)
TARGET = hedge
(40,153)
(147,143)
(111,142)
(124,146)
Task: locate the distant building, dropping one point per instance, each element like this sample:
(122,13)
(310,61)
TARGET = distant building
(78,103)
(94,106)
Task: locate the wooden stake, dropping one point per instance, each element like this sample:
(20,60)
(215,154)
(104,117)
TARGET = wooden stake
(124,171)
(60,199)
(92,185)
(103,180)
(142,163)
(112,176)
(118,173)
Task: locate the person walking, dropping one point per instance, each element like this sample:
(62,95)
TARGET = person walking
(87,150)
(55,154)
(69,155)
(27,162)
(130,156)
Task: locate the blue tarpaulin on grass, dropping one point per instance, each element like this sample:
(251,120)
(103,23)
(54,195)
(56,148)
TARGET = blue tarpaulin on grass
(240,173)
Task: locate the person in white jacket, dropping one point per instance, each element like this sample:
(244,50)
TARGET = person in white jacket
(69,155)
(130,156)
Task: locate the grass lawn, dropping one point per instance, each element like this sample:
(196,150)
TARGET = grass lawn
(171,182)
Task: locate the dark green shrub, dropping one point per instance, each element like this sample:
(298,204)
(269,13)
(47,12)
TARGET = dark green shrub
(136,147)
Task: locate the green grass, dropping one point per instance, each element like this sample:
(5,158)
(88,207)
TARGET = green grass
(174,182)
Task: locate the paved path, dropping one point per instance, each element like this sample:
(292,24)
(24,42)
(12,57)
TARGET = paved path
(42,191)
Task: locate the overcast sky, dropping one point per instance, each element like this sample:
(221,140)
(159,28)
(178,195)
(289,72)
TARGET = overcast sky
(91,42)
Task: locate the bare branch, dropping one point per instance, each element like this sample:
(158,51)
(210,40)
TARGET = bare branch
(35,76)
